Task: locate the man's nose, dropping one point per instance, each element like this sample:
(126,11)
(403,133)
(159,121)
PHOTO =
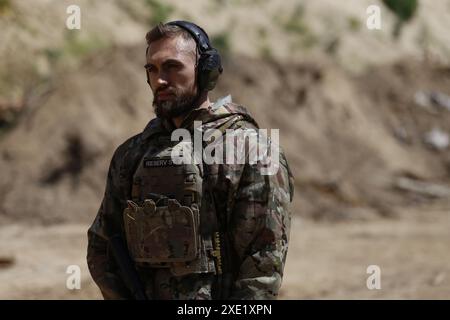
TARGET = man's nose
(162,79)
(161,82)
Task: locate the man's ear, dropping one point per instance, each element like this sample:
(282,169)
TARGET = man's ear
(146,71)
(148,77)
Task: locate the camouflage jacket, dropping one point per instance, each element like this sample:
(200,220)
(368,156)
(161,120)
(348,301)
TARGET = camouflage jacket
(254,216)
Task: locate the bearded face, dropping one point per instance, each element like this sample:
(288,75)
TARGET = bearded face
(171,71)
(172,102)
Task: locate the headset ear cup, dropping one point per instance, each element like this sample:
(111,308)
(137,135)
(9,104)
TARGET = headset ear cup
(211,77)
(210,68)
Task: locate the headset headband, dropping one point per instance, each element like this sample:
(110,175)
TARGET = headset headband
(199,35)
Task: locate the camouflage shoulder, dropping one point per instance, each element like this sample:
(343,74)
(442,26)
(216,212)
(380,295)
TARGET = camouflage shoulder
(244,124)
(243,118)
(154,126)
(231,108)
(130,143)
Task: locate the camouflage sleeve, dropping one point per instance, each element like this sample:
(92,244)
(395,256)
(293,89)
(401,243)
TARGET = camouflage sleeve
(98,260)
(260,226)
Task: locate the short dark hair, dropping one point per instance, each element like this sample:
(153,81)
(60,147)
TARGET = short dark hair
(169,31)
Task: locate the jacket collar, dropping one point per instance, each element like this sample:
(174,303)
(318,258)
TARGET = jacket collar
(215,112)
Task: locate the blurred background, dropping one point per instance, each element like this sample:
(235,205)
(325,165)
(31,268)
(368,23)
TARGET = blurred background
(364,119)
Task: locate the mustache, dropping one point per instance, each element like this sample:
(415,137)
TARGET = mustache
(166,90)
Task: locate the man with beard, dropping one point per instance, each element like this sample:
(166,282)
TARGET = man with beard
(191,230)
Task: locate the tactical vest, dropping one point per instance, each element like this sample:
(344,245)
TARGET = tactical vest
(162,220)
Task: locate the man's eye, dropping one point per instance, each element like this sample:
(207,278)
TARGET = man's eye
(173,66)
(151,69)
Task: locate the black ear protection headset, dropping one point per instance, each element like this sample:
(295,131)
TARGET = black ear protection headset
(209,66)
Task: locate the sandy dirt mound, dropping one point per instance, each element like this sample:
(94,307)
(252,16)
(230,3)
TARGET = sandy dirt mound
(340,134)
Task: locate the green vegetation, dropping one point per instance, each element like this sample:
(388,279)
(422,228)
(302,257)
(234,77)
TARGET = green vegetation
(74,49)
(5,5)
(262,33)
(404,10)
(160,12)
(78,47)
(332,46)
(295,23)
(265,52)
(53,55)
(354,23)
(221,41)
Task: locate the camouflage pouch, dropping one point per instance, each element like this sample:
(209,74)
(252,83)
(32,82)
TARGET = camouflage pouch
(159,235)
